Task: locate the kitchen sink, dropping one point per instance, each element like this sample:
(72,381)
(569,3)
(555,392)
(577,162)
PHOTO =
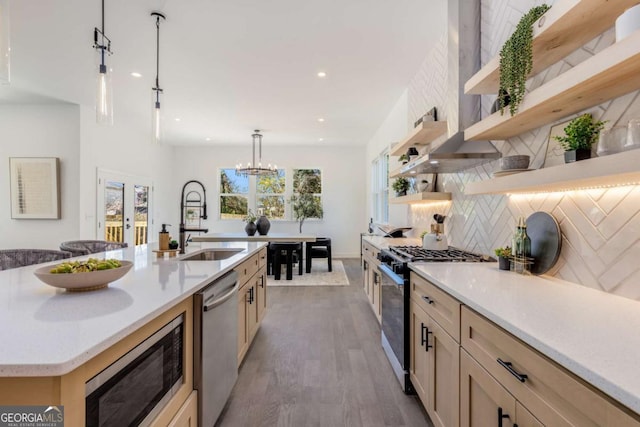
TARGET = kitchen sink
(214,254)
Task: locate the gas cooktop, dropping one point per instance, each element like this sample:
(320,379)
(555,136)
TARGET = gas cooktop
(418,253)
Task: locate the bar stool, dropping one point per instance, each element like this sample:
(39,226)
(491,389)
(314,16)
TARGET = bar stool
(286,249)
(321,248)
(88,247)
(14,258)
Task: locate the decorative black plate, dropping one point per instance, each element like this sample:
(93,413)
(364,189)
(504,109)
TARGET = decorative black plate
(546,241)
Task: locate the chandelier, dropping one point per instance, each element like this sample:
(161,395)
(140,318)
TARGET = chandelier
(257,168)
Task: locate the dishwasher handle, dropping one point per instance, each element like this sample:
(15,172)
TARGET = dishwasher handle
(212,303)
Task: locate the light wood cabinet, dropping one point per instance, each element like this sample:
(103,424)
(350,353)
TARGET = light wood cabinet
(252,300)
(434,368)
(187,415)
(371,280)
(442,307)
(554,395)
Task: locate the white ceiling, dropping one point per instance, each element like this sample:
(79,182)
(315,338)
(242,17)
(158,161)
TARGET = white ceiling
(230,66)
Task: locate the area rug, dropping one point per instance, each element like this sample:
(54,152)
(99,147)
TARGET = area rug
(319,276)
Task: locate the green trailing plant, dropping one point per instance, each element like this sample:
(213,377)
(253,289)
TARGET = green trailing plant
(423,234)
(503,252)
(516,61)
(581,133)
(400,185)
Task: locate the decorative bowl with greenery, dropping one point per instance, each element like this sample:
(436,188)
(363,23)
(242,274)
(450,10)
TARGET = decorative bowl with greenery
(516,61)
(404,159)
(400,186)
(580,134)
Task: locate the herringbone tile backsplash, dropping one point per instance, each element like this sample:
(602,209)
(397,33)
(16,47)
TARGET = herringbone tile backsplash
(600,228)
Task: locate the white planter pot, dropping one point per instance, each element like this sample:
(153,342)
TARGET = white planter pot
(628,22)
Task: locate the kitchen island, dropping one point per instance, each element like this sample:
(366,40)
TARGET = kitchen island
(55,340)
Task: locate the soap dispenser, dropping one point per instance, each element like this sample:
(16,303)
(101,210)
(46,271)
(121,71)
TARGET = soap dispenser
(164,238)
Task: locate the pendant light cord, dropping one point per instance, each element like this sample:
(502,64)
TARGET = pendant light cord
(157,52)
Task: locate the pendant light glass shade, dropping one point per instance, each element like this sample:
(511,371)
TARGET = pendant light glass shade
(104,95)
(5,46)
(156,120)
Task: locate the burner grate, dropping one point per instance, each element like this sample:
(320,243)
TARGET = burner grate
(418,253)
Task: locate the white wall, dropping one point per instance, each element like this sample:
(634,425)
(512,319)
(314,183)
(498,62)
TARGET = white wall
(40,131)
(343,179)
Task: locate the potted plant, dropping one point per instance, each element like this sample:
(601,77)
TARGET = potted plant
(400,186)
(504,258)
(173,244)
(516,61)
(404,159)
(580,134)
(251,227)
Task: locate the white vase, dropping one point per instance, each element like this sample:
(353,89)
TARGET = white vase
(628,22)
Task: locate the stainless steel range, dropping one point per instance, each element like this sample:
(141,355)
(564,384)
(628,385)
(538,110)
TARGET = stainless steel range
(394,273)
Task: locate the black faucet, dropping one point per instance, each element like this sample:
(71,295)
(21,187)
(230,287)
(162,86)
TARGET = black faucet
(183,242)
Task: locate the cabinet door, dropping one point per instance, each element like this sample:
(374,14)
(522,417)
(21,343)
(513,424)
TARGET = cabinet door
(444,364)
(187,416)
(252,308)
(261,298)
(483,401)
(377,294)
(243,331)
(419,356)
(524,417)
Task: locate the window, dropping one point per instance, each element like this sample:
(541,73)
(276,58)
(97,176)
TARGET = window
(380,188)
(307,190)
(270,195)
(234,194)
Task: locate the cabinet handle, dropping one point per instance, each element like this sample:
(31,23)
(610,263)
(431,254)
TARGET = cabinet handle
(427,346)
(262,281)
(501,416)
(251,295)
(427,299)
(509,367)
(423,339)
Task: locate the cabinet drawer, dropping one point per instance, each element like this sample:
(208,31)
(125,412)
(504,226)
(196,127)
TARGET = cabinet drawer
(442,307)
(248,268)
(370,251)
(262,255)
(552,394)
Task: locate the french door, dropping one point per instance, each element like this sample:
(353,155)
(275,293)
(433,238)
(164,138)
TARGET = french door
(124,208)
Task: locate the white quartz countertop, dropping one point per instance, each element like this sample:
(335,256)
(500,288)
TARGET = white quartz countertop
(49,332)
(591,333)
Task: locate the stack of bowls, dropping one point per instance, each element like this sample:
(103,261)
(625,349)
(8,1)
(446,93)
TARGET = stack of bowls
(519,161)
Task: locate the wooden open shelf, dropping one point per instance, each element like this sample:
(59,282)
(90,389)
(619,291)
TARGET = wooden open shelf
(396,172)
(568,25)
(611,73)
(607,171)
(421,198)
(423,134)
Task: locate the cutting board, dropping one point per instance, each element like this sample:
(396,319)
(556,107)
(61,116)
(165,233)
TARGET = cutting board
(546,241)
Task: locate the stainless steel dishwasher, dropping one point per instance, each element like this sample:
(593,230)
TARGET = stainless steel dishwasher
(215,346)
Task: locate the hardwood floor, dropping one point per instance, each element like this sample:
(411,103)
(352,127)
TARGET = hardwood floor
(317,361)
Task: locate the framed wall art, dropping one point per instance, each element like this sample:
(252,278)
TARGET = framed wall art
(35,187)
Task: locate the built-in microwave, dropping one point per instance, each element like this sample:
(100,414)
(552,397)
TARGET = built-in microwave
(135,388)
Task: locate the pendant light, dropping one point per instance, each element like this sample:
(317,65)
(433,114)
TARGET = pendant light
(104,89)
(257,168)
(5,47)
(156,130)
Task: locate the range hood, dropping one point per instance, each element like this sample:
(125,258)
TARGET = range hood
(454,155)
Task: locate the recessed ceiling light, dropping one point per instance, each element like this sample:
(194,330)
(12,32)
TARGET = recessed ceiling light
(434,162)
(178,119)
(207,139)
(413,172)
(322,74)
(320,139)
(136,75)
(321,119)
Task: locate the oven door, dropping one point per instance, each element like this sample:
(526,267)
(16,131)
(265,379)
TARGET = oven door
(394,323)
